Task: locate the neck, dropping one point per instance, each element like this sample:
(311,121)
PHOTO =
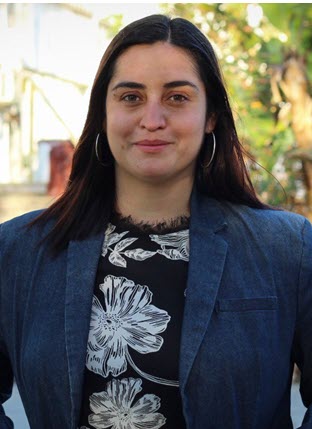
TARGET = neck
(153,202)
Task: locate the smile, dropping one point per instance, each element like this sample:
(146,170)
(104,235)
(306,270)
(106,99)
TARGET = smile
(151,146)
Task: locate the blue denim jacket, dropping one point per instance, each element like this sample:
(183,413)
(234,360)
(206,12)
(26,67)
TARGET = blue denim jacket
(247,318)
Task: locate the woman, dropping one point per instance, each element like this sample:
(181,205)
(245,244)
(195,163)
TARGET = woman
(158,291)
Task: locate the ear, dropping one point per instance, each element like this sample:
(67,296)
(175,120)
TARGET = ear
(211,123)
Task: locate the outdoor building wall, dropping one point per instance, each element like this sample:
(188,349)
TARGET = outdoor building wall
(47,56)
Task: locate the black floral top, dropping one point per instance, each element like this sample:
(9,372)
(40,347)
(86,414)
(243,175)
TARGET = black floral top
(132,364)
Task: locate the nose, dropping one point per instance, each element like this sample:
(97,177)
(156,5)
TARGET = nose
(153,117)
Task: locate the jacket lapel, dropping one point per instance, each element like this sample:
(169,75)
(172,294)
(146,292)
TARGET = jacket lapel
(82,265)
(207,256)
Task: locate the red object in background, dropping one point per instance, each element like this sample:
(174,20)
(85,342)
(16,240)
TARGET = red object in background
(61,156)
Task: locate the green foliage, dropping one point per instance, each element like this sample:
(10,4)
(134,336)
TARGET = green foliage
(292,19)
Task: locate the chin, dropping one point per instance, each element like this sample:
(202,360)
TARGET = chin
(153,171)
(154,176)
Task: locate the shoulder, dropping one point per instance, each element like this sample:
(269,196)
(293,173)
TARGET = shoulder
(18,231)
(15,225)
(264,219)
(282,234)
(239,221)
(21,220)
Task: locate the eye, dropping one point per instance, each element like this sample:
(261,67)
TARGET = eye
(130,98)
(178,98)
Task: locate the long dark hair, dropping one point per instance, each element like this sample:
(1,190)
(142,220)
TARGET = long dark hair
(88,199)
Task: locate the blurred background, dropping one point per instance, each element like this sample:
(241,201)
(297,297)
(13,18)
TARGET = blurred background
(49,53)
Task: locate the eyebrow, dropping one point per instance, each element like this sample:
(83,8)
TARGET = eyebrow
(173,84)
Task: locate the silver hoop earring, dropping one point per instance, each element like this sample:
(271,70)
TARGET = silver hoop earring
(109,157)
(213,150)
(96,147)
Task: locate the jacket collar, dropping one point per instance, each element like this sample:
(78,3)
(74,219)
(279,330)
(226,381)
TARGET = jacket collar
(207,257)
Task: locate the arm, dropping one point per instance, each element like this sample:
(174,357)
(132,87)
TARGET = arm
(302,351)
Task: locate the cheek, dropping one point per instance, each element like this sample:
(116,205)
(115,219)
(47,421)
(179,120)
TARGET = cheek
(119,126)
(117,132)
(192,130)
(194,122)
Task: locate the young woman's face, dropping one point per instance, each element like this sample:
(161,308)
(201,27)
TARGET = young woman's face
(155,114)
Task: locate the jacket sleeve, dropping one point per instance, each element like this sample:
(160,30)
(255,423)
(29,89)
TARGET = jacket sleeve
(303,335)
(6,384)
(6,374)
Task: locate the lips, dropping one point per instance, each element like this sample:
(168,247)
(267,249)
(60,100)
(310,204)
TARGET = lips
(152,145)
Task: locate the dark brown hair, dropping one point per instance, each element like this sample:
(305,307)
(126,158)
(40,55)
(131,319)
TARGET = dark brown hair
(88,199)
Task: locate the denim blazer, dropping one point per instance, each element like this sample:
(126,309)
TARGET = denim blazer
(247,318)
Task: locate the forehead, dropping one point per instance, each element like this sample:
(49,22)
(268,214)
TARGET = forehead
(161,59)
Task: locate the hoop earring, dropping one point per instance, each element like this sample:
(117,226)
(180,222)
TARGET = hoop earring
(96,147)
(213,151)
(107,163)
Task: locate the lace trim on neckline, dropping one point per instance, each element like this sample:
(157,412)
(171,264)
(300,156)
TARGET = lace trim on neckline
(159,227)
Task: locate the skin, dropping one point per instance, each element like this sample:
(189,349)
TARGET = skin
(155,124)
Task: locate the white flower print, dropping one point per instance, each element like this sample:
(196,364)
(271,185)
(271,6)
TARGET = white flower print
(115,257)
(113,407)
(178,240)
(127,319)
